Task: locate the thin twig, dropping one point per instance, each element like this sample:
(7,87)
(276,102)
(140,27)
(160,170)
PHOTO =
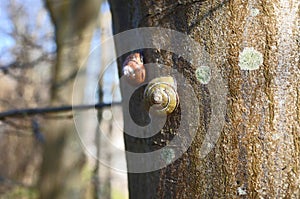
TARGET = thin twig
(44,110)
(36,131)
(25,65)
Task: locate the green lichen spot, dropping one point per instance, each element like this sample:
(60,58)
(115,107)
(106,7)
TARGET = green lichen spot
(250,59)
(203,74)
(254,12)
(168,155)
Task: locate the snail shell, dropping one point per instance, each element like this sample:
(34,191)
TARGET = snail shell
(161,95)
(134,70)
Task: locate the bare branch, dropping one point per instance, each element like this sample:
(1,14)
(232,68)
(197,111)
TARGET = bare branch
(36,131)
(45,110)
(19,65)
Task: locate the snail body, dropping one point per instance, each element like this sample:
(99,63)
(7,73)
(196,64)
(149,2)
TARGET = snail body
(161,95)
(134,70)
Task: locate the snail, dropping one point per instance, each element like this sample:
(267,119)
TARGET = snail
(161,95)
(134,70)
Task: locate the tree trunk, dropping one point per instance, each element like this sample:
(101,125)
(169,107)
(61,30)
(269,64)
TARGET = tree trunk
(63,159)
(254,46)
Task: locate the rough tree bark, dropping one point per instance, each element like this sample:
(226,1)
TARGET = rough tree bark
(63,159)
(258,152)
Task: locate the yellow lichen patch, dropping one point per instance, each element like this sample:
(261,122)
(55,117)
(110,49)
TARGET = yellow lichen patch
(250,59)
(203,74)
(254,12)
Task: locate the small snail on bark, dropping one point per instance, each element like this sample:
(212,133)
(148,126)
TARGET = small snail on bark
(161,95)
(134,70)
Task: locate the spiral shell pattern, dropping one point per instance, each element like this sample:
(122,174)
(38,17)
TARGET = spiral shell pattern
(161,95)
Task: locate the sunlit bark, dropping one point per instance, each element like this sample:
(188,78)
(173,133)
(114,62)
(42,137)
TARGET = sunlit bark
(257,154)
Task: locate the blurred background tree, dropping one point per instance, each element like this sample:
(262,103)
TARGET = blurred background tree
(27,53)
(43,47)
